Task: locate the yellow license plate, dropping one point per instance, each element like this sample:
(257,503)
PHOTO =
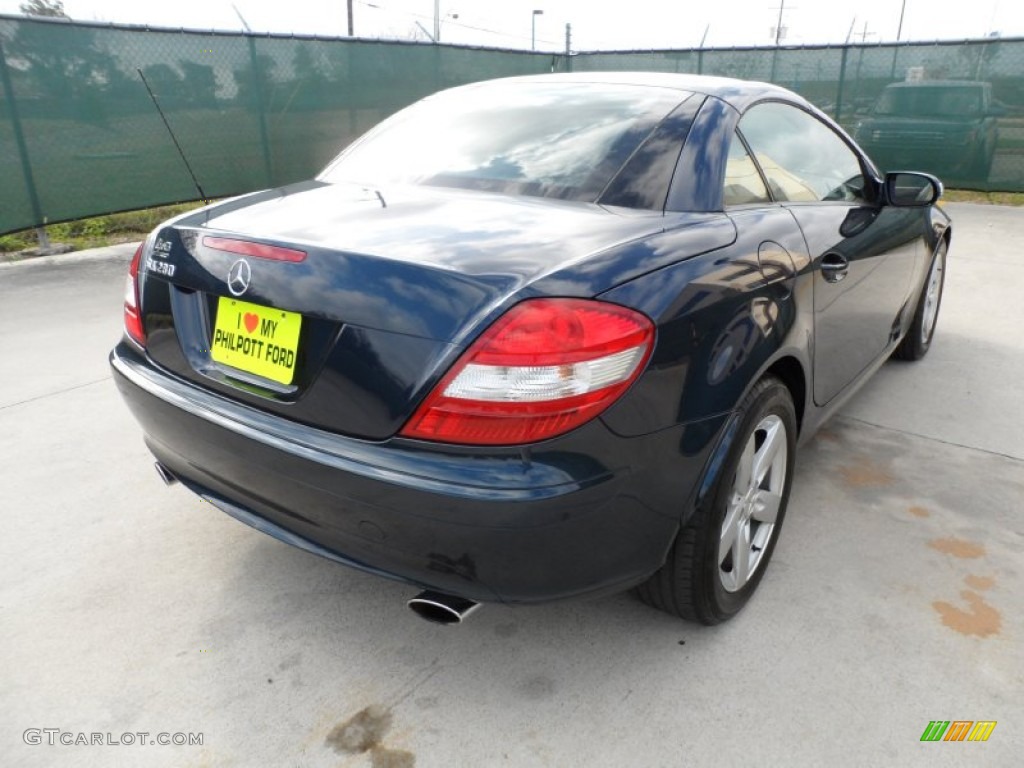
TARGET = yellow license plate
(256,339)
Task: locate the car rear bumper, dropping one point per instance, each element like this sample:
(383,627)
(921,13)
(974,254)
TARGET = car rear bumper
(588,513)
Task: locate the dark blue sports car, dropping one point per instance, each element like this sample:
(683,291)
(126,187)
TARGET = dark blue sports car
(535,338)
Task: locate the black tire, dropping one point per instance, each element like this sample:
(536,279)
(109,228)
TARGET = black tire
(691,583)
(918,340)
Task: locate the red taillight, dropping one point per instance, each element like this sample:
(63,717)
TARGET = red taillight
(545,367)
(132,316)
(259,250)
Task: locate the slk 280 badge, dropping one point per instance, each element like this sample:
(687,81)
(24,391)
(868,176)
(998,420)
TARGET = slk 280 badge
(160,267)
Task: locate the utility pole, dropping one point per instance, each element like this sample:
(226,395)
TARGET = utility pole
(896,48)
(436,37)
(778,37)
(700,51)
(568,39)
(864,35)
(533,29)
(778,24)
(780,31)
(860,61)
(351,32)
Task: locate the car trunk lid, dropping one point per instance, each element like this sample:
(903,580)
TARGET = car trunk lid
(385,286)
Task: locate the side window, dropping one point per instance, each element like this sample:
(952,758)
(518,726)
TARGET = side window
(743,184)
(802,158)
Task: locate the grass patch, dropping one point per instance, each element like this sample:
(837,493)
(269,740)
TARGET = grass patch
(98,231)
(989,198)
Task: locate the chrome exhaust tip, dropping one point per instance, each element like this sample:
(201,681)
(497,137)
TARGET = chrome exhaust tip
(439,608)
(165,474)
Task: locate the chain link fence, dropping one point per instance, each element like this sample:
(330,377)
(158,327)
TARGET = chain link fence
(955,109)
(80,135)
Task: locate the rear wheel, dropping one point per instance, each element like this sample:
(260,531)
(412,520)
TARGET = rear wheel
(919,338)
(720,556)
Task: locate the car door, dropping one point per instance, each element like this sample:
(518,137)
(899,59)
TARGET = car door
(863,253)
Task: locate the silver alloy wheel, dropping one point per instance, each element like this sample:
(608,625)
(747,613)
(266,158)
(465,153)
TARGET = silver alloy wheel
(932,295)
(753,504)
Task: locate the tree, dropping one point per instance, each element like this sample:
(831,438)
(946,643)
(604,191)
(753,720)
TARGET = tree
(255,82)
(310,85)
(65,69)
(52,8)
(166,83)
(200,82)
(978,57)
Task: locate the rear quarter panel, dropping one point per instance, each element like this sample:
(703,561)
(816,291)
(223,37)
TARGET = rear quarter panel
(722,318)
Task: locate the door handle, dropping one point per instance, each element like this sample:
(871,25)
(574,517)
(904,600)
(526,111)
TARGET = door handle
(834,267)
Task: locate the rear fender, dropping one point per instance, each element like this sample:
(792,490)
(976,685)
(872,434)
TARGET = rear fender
(723,319)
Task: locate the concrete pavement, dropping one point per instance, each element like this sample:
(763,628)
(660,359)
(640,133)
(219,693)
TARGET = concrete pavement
(129,607)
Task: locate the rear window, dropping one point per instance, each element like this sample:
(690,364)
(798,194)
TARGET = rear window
(561,140)
(930,101)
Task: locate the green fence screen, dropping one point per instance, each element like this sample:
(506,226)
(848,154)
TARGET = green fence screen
(80,136)
(953,108)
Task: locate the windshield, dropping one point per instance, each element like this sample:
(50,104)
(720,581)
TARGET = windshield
(932,101)
(562,140)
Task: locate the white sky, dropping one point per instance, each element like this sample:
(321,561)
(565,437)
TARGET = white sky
(639,24)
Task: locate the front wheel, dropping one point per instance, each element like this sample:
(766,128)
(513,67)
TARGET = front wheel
(720,556)
(918,340)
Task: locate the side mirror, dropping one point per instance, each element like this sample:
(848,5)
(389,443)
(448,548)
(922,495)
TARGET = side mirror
(909,189)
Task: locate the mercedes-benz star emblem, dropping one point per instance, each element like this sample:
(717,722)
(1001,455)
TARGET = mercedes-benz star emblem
(239,277)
